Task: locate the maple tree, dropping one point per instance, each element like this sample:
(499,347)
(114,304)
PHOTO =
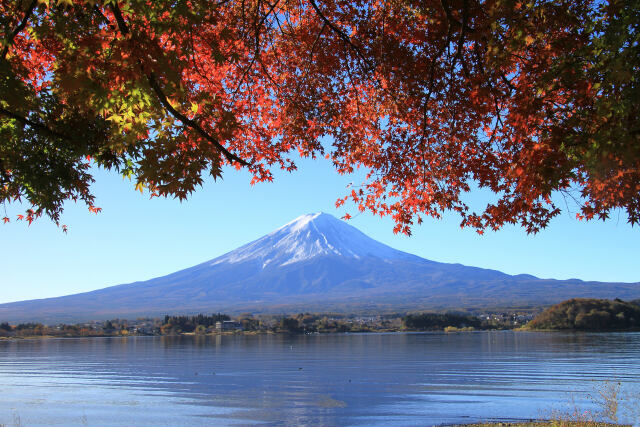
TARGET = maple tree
(432,98)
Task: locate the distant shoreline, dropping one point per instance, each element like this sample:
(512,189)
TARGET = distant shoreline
(575,315)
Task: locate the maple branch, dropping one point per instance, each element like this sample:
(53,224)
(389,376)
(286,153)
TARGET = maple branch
(102,16)
(566,193)
(35,125)
(507,82)
(432,68)
(447,11)
(464,29)
(342,35)
(122,25)
(284,15)
(463,33)
(19,28)
(256,54)
(450,17)
(313,47)
(153,82)
(266,72)
(190,123)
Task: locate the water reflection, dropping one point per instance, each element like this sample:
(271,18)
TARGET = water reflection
(344,379)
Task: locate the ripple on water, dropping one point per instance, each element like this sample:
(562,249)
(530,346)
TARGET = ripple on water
(351,379)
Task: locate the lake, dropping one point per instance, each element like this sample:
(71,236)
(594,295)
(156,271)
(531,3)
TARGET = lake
(332,380)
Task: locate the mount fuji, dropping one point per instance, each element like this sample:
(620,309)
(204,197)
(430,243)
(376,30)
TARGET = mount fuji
(314,263)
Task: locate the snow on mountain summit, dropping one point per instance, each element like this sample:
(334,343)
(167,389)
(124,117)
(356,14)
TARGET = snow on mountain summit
(306,237)
(301,221)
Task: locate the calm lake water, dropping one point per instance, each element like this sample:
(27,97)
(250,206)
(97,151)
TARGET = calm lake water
(332,380)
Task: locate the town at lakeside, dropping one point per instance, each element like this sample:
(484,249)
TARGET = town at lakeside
(578,314)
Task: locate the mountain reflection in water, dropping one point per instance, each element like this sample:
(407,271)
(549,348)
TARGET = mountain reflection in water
(336,379)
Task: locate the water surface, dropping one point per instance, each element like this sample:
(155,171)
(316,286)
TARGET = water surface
(333,380)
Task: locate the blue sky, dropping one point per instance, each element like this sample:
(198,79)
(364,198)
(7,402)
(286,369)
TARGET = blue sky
(136,238)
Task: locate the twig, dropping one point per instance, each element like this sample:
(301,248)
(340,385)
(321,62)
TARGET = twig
(342,35)
(313,47)
(37,126)
(256,53)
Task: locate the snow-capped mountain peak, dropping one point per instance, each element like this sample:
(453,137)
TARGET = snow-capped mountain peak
(314,263)
(306,237)
(301,222)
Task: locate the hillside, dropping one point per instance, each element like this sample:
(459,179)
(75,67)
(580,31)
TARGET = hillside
(582,314)
(314,263)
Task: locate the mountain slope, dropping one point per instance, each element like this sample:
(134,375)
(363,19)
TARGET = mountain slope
(315,262)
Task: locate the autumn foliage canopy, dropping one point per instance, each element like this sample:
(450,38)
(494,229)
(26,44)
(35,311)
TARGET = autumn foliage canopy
(433,98)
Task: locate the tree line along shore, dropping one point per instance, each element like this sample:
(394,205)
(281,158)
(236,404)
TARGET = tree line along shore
(579,314)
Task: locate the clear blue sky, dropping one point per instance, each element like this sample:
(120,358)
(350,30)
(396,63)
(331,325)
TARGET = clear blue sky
(135,238)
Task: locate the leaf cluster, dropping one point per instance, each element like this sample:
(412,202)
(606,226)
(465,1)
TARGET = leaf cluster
(527,99)
(585,314)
